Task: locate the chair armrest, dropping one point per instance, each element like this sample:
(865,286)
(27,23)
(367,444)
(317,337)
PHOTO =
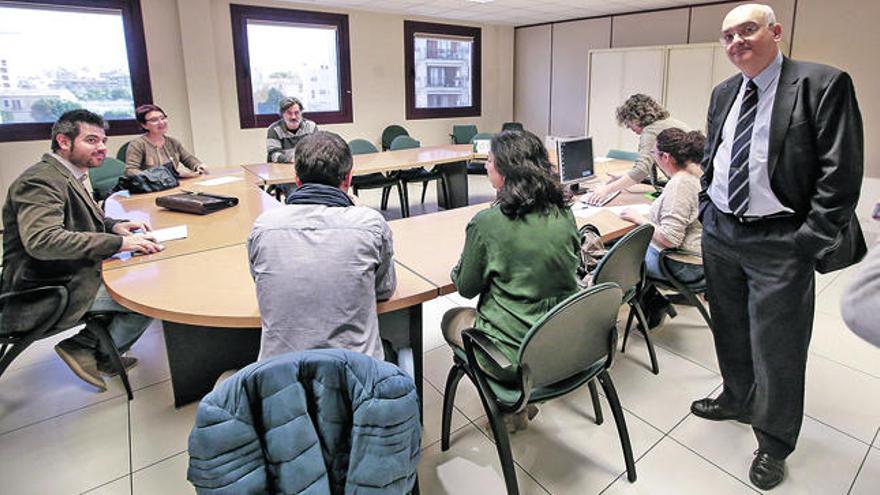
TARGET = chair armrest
(682,256)
(478,339)
(473,338)
(59,289)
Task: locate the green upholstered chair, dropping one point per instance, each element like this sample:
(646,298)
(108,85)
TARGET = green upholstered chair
(120,155)
(376,180)
(629,156)
(105,177)
(417,174)
(511,126)
(624,265)
(462,134)
(391,132)
(587,325)
(689,290)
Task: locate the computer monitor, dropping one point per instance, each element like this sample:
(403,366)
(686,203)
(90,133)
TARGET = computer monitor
(575,157)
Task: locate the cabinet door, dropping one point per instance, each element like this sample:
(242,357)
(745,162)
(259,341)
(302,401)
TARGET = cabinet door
(689,83)
(614,76)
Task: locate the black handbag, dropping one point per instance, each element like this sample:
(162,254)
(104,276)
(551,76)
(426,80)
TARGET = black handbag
(150,180)
(196,202)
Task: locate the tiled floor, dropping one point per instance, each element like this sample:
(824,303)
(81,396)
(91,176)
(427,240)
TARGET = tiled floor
(57,436)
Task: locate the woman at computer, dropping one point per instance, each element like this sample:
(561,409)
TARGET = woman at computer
(645,117)
(154,148)
(674,213)
(521,255)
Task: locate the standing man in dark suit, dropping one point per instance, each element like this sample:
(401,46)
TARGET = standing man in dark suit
(783,171)
(56,234)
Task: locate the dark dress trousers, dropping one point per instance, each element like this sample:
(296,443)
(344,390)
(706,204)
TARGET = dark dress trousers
(760,273)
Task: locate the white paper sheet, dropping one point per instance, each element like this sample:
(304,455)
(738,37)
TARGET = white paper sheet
(218,181)
(170,233)
(601,159)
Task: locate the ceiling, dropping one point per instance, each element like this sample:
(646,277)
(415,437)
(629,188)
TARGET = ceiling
(510,12)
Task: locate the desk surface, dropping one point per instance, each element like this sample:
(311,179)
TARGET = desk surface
(222,228)
(386,161)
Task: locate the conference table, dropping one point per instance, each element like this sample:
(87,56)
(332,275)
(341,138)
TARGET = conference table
(202,290)
(452,158)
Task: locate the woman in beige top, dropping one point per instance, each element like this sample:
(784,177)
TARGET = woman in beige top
(674,214)
(645,117)
(154,148)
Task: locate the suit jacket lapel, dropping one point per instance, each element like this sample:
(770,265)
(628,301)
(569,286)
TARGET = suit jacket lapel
(80,189)
(780,117)
(726,97)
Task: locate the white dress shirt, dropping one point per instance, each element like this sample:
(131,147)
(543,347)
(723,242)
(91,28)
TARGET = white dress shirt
(762,201)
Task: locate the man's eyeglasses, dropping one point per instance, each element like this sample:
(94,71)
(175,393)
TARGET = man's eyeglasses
(744,31)
(156,120)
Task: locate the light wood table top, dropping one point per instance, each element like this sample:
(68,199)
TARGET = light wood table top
(222,228)
(215,289)
(386,161)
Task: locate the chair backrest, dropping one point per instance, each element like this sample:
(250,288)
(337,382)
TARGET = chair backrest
(463,134)
(361,146)
(624,261)
(106,176)
(511,126)
(482,135)
(120,155)
(404,143)
(391,132)
(585,322)
(630,156)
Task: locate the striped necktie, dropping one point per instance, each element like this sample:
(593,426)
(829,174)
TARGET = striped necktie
(738,177)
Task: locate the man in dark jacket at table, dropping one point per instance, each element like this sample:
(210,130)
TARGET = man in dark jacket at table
(56,234)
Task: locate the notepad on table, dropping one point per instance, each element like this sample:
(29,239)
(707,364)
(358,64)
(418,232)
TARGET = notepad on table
(218,181)
(170,233)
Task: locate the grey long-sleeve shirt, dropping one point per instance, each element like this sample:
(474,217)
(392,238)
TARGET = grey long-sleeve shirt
(319,271)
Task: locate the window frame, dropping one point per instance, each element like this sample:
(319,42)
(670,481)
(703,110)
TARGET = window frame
(410,28)
(138,67)
(240,14)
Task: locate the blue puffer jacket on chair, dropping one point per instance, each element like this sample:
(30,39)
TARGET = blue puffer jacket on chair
(314,422)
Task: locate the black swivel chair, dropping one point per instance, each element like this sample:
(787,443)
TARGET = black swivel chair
(378,179)
(587,323)
(18,332)
(688,290)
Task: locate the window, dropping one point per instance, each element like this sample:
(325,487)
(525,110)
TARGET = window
(282,52)
(442,70)
(57,64)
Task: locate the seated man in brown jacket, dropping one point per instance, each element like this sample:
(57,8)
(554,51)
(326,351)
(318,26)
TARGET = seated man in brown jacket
(56,234)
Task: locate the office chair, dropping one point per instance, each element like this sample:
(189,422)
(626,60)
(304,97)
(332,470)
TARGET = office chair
(587,323)
(105,177)
(463,134)
(477,166)
(688,290)
(120,155)
(417,174)
(376,180)
(624,264)
(511,126)
(21,325)
(391,132)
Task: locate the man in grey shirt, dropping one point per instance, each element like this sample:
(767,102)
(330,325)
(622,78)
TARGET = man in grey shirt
(321,263)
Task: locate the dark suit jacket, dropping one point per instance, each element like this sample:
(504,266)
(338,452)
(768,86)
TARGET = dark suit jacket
(815,157)
(54,234)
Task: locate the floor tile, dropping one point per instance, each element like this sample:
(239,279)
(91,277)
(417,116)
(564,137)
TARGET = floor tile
(167,478)
(69,454)
(568,453)
(825,461)
(664,399)
(40,351)
(469,466)
(158,430)
(671,469)
(832,339)
(433,411)
(868,481)
(437,365)
(152,365)
(45,390)
(853,408)
(688,336)
(122,486)
(432,314)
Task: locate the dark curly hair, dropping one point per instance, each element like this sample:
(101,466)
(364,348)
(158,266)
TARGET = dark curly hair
(529,182)
(683,146)
(641,110)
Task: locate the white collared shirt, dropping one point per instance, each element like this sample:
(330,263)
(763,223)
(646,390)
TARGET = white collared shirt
(762,201)
(78,174)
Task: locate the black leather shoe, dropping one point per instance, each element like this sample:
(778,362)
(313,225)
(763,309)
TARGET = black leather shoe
(766,471)
(715,410)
